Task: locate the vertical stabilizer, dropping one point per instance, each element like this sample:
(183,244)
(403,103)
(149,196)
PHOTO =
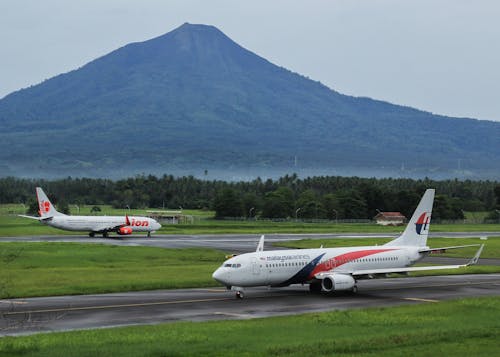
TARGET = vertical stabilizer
(417,230)
(45,207)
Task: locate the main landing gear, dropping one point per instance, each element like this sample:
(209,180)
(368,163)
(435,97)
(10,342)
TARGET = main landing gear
(239,295)
(91,234)
(315,287)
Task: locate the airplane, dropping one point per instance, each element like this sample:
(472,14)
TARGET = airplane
(94,224)
(337,269)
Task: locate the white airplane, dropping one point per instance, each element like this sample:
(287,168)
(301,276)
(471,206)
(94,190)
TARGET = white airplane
(94,224)
(336,269)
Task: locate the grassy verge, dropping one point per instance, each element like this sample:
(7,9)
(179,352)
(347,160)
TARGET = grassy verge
(11,226)
(44,269)
(459,328)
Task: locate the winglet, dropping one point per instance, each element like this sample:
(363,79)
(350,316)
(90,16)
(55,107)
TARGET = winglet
(260,246)
(127,221)
(475,259)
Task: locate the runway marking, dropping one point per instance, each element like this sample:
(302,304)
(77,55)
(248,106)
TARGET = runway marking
(103,307)
(434,285)
(420,299)
(232,314)
(13,302)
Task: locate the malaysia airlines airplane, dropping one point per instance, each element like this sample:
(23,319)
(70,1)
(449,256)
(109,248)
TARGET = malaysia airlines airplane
(336,269)
(93,224)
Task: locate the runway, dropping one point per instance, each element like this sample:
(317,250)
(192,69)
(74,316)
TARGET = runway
(26,316)
(234,243)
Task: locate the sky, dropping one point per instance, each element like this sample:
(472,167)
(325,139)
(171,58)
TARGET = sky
(441,56)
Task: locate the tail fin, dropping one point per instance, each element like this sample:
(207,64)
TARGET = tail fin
(417,230)
(46,208)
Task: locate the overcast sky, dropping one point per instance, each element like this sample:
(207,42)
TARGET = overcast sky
(441,56)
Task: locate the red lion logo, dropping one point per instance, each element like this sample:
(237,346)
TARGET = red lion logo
(45,206)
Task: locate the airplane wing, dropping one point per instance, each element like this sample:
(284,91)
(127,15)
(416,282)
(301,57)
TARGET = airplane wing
(473,261)
(444,249)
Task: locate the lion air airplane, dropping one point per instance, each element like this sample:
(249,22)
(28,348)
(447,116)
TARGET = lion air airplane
(94,224)
(336,269)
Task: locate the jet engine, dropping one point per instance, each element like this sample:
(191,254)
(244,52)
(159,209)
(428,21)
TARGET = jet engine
(124,231)
(337,282)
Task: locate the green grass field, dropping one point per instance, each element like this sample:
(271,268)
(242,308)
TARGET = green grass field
(45,269)
(203,223)
(11,226)
(468,327)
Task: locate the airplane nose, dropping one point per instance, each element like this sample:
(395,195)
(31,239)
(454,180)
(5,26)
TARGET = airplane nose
(219,276)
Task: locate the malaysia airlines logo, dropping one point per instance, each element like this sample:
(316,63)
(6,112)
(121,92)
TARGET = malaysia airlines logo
(422,224)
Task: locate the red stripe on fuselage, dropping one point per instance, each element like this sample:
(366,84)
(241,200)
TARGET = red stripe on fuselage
(342,259)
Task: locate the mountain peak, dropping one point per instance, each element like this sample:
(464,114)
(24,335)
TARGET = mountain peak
(193,98)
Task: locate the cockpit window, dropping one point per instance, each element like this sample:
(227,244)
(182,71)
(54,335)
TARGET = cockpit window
(227,265)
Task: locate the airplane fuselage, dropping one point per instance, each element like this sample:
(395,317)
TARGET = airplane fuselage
(100,223)
(285,267)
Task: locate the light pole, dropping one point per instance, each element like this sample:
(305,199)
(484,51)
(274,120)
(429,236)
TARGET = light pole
(77,208)
(336,215)
(128,207)
(297,213)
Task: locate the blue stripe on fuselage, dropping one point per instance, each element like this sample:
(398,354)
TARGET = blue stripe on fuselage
(303,274)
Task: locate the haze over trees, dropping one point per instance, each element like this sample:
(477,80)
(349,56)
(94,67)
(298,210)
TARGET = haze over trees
(287,197)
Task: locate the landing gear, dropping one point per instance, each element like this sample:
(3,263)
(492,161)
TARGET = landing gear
(105,234)
(315,287)
(238,290)
(91,234)
(354,289)
(149,234)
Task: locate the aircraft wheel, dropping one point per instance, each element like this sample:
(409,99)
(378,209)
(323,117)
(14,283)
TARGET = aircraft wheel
(149,234)
(105,234)
(239,295)
(91,234)
(354,289)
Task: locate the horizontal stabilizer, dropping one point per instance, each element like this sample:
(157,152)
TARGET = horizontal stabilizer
(31,217)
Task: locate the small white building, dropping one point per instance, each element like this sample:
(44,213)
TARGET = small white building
(390,218)
(170,217)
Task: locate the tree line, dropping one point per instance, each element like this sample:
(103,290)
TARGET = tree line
(323,197)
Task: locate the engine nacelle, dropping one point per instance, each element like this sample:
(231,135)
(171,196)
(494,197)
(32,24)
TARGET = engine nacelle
(335,282)
(123,231)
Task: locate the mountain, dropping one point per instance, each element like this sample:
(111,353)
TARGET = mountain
(193,99)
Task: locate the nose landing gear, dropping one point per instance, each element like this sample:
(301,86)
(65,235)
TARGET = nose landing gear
(239,291)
